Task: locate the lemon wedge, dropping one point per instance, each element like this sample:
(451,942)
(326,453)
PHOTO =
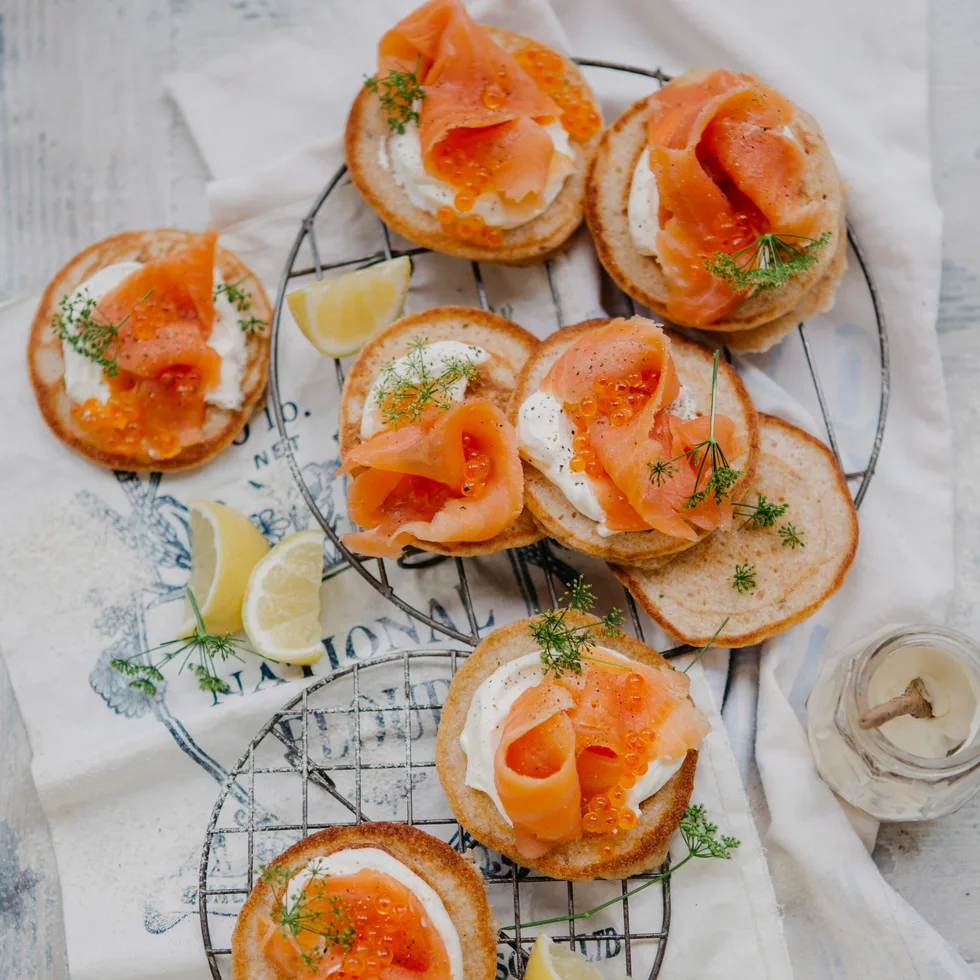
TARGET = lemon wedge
(225,547)
(338,315)
(549,961)
(281,610)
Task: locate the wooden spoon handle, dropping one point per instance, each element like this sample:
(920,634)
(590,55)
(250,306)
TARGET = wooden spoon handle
(913,702)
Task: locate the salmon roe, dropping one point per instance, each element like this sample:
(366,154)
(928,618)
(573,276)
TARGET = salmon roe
(578,115)
(476,469)
(608,812)
(470,178)
(615,399)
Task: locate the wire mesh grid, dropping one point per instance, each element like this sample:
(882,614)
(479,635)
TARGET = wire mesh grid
(356,746)
(374,570)
(341,782)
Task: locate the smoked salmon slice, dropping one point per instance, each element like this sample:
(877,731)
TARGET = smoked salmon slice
(481,112)
(618,381)
(571,747)
(727,170)
(164,312)
(417,483)
(391,929)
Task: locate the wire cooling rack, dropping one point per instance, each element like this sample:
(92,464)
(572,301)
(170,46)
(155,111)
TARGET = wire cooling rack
(359,744)
(374,570)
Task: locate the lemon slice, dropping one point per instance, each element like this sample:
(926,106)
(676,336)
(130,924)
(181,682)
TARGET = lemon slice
(224,549)
(551,962)
(281,610)
(338,315)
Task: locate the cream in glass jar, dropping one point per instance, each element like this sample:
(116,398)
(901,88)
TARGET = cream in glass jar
(909,768)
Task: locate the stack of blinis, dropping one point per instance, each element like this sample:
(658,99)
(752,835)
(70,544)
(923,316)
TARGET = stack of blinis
(715,202)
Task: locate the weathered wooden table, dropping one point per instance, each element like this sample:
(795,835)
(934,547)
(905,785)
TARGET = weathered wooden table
(89,146)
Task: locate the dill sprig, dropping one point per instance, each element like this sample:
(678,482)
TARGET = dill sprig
(791,536)
(398,92)
(770,261)
(744,578)
(242,301)
(79,325)
(207,647)
(702,840)
(564,646)
(760,514)
(721,478)
(707,645)
(406,391)
(763,514)
(332,924)
(662,470)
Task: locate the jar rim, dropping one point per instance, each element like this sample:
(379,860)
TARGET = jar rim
(884,752)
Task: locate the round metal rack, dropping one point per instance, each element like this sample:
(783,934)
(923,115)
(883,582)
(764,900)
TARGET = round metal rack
(316,750)
(359,745)
(373,570)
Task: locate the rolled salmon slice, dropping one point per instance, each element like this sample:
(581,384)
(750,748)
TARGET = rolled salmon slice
(165,313)
(727,170)
(567,742)
(415,484)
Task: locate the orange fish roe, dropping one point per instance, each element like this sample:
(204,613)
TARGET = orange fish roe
(464,201)
(493,97)
(470,226)
(476,470)
(608,814)
(617,400)
(578,113)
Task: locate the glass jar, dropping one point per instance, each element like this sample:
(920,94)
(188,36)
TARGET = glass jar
(862,765)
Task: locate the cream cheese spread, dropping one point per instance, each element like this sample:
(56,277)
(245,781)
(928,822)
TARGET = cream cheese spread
(545,433)
(401,155)
(435,359)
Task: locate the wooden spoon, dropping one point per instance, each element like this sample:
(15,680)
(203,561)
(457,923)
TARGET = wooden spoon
(913,702)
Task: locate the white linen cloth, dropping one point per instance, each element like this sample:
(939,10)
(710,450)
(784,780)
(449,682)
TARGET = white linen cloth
(127,811)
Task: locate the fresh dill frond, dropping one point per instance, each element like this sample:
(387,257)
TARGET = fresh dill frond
(661,471)
(333,924)
(563,646)
(80,325)
(701,836)
(398,92)
(702,840)
(242,301)
(408,390)
(720,480)
(791,536)
(744,578)
(770,261)
(761,514)
(208,648)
